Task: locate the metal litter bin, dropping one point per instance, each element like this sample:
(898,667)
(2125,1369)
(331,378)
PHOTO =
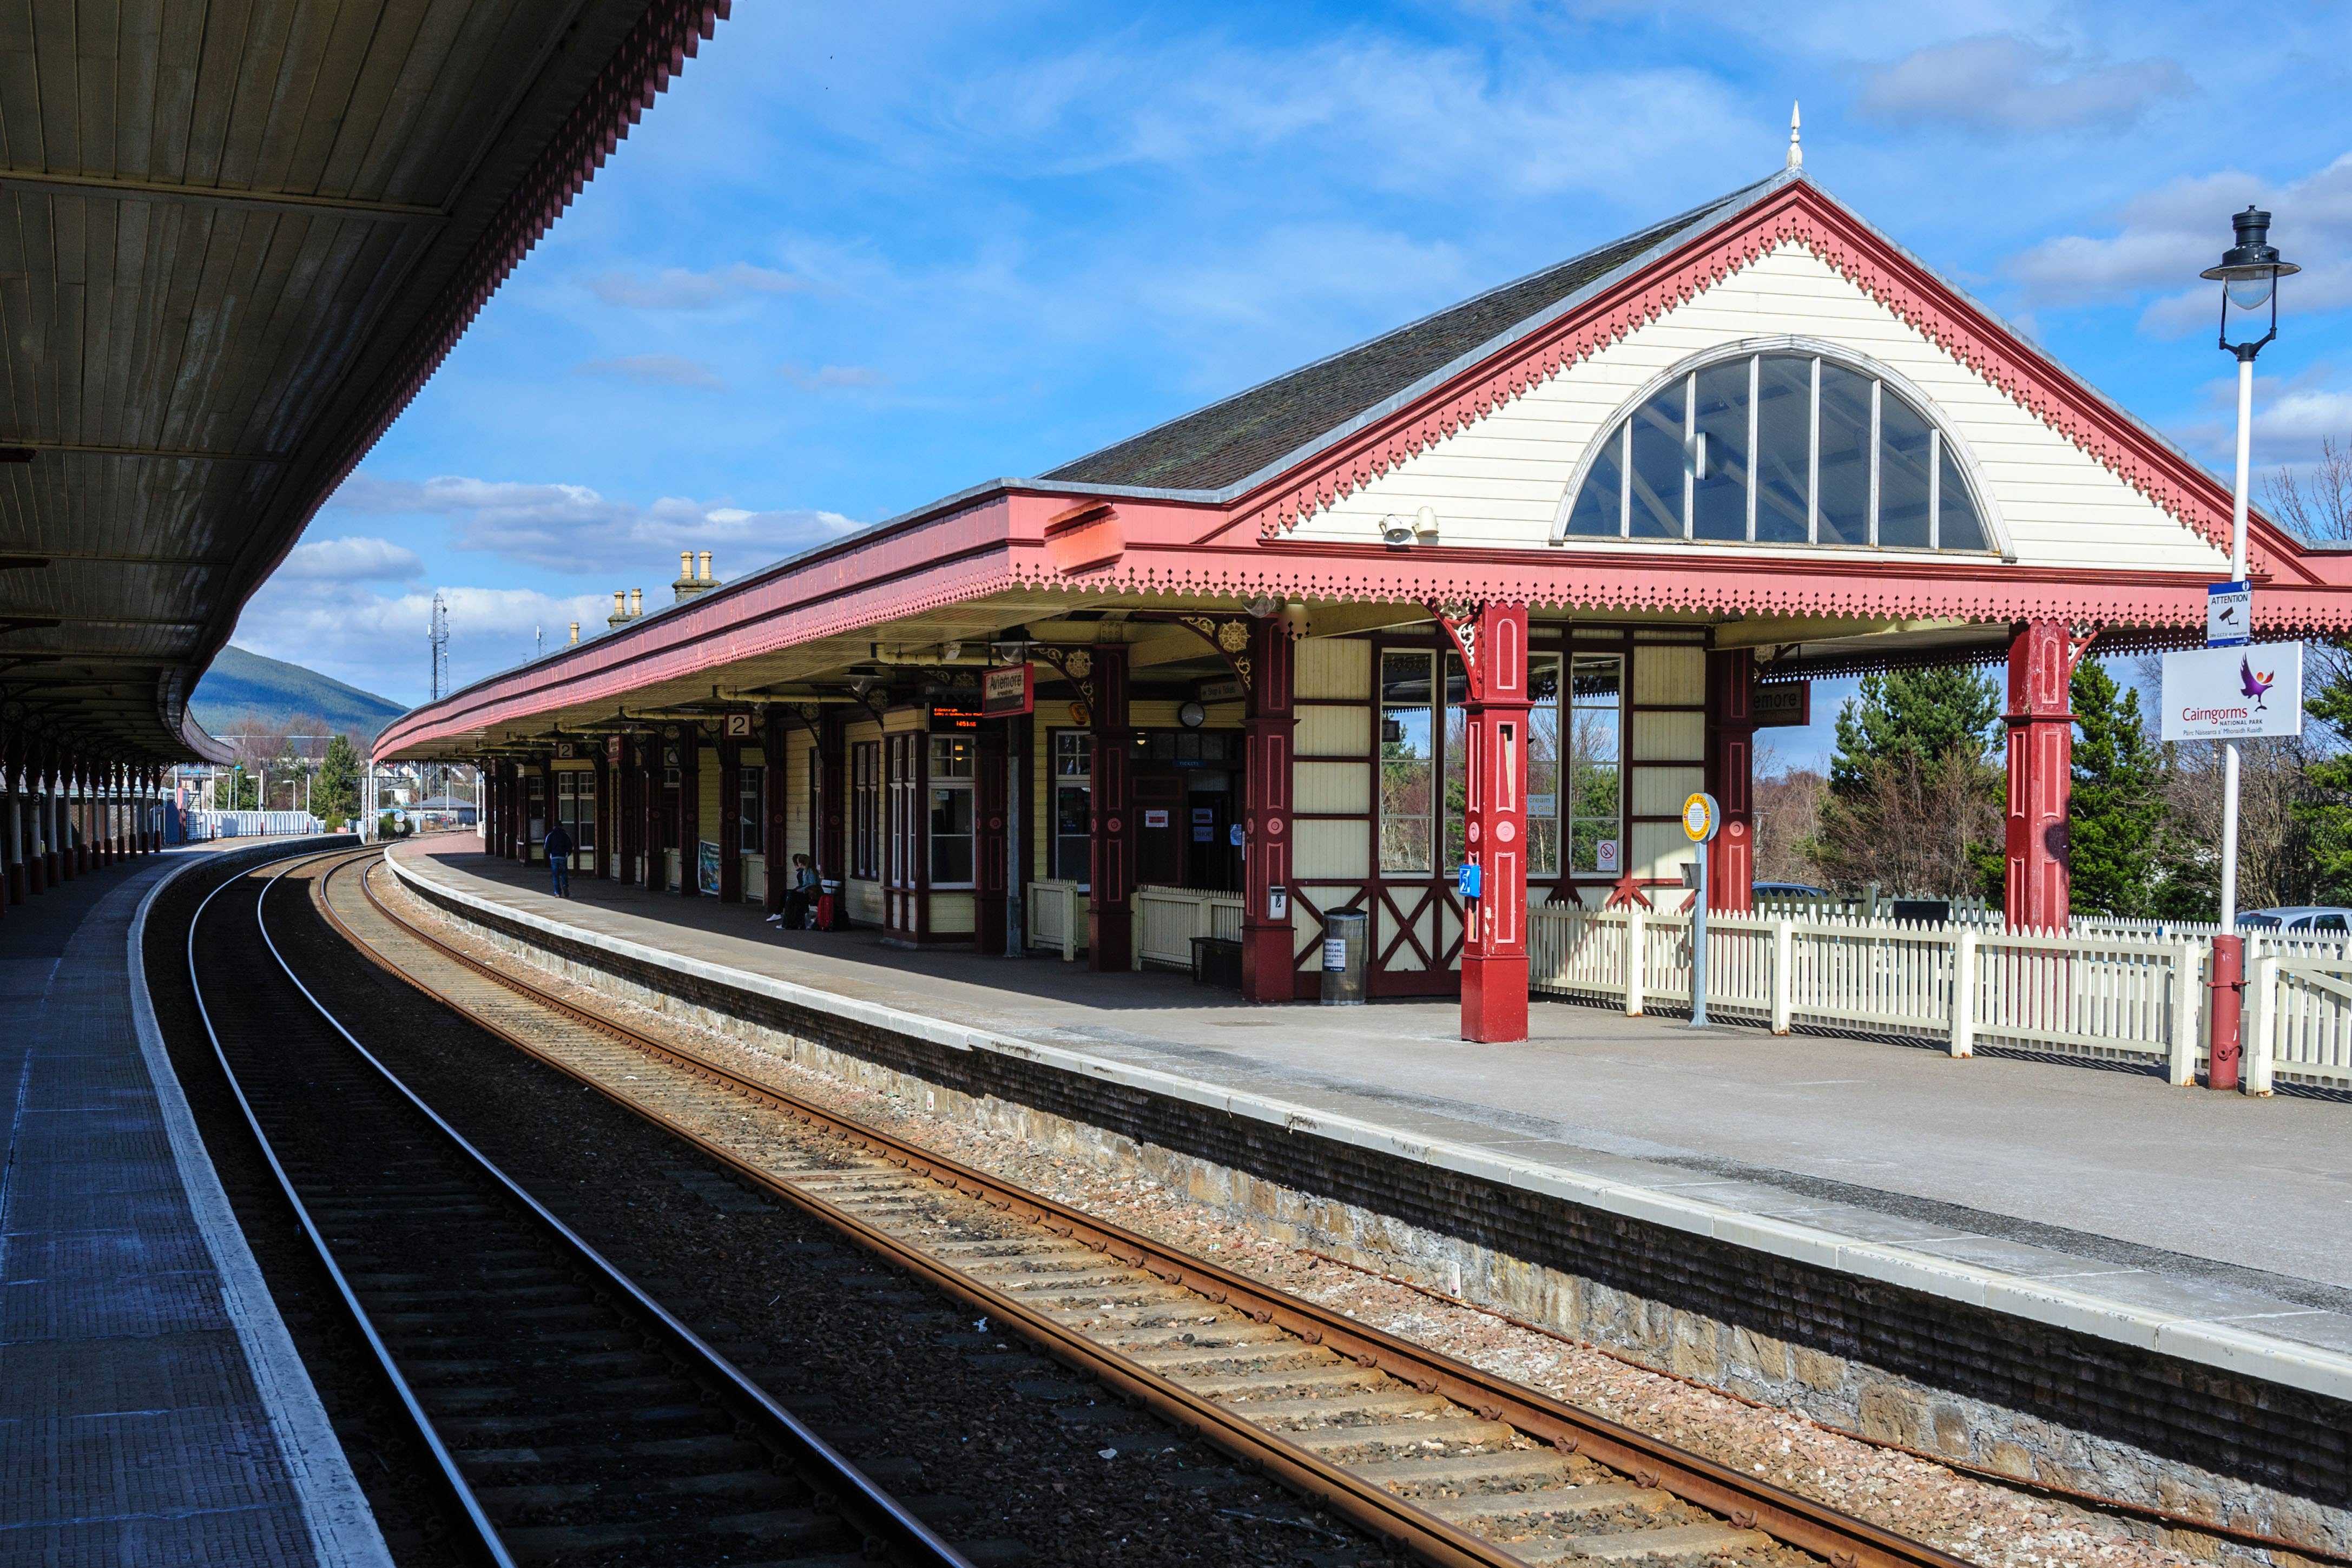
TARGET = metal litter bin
(1346,933)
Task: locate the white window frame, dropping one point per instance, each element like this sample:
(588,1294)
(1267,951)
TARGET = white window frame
(1617,427)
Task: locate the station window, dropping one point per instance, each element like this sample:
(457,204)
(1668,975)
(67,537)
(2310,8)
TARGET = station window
(951,763)
(1595,723)
(865,810)
(751,798)
(1543,765)
(1456,802)
(1073,786)
(1778,448)
(1408,761)
(575,807)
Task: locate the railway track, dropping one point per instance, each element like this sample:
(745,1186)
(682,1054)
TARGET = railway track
(1458,1465)
(573,1420)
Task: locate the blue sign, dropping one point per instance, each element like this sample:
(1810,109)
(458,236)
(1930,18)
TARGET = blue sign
(1468,881)
(2228,613)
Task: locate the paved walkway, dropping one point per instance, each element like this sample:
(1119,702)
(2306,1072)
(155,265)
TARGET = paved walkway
(2169,1204)
(151,1407)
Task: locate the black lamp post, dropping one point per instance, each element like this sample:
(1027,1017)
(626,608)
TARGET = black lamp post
(2248,275)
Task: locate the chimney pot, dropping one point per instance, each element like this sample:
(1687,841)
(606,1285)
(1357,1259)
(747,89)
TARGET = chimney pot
(576,634)
(636,603)
(686,566)
(704,575)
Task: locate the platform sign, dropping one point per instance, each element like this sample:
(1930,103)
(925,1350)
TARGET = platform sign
(1701,817)
(2228,613)
(1008,690)
(1605,855)
(2233,693)
(613,748)
(738,726)
(1782,704)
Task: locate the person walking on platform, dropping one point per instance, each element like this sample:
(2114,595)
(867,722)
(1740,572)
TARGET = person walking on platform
(559,859)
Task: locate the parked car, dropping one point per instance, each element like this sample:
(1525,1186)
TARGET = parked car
(2331,920)
(1789,890)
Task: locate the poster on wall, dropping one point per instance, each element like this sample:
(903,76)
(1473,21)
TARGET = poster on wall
(706,871)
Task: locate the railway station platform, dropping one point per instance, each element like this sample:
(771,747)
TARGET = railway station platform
(153,1408)
(2211,1227)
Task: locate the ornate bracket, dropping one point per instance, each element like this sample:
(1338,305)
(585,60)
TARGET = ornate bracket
(1229,635)
(1077,665)
(2079,639)
(1460,619)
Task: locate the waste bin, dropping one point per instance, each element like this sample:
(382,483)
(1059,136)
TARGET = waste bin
(1345,935)
(1217,961)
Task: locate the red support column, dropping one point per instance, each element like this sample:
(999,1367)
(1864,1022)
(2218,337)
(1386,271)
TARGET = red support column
(19,824)
(1494,648)
(775,746)
(730,820)
(1731,778)
(993,852)
(831,842)
(2041,775)
(1269,947)
(651,749)
(61,846)
(81,796)
(40,872)
(624,755)
(689,810)
(1110,923)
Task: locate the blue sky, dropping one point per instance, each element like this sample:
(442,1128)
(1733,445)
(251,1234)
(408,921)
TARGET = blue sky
(858,258)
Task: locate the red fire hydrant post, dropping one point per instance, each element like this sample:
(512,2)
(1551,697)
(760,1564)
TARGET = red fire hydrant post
(2229,1004)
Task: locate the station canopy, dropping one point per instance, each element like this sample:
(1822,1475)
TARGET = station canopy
(238,242)
(1760,424)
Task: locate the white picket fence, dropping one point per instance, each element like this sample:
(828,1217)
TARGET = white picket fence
(2065,993)
(207,824)
(1168,919)
(1058,918)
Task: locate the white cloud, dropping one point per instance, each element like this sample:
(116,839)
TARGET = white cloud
(833,377)
(1401,117)
(2167,235)
(656,370)
(2005,84)
(573,529)
(377,641)
(352,560)
(676,288)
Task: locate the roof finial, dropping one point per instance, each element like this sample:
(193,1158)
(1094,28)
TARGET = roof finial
(1796,151)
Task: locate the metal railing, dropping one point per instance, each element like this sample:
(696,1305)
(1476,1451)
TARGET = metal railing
(201,825)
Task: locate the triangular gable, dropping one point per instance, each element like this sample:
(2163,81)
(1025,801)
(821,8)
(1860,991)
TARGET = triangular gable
(1798,212)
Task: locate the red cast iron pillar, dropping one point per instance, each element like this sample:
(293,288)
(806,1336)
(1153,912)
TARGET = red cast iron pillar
(2041,775)
(1493,642)
(1268,947)
(19,807)
(1110,922)
(1730,778)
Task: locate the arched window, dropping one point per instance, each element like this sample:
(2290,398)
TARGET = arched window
(1778,448)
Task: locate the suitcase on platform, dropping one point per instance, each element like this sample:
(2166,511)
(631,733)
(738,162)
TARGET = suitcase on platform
(825,911)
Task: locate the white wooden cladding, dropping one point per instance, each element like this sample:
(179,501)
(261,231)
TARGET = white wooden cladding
(2102,998)
(1500,481)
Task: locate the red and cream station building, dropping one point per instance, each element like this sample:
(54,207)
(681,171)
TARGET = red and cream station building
(1503,587)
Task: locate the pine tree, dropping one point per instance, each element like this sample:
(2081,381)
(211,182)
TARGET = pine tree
(2329,819)
(2115,820)
(335,793)
(1910,793)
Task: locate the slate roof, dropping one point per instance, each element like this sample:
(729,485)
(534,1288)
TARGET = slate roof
(1214,448)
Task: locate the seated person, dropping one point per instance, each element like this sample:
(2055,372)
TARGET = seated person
(799,894)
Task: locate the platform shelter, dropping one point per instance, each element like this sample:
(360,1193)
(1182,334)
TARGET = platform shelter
(1501,587)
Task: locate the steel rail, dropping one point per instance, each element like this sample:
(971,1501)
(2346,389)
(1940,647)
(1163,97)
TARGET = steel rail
(485,1534)
(1748,1503)
(887,1525)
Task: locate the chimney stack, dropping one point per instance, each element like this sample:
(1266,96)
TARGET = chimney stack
(576,634)
(636,603)
(620,614)
(687,584)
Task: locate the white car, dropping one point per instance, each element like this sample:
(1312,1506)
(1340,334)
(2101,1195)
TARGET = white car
(2316,919)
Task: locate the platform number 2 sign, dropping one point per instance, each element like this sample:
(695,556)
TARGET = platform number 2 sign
(738,726)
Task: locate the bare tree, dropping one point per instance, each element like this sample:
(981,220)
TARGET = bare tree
(1788,820)
(2316,504)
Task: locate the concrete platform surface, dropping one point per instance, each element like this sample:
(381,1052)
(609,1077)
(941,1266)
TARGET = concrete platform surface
(153,1408)
(2216,1225)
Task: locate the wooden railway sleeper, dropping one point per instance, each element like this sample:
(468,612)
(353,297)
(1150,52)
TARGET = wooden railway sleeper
(1798,1521)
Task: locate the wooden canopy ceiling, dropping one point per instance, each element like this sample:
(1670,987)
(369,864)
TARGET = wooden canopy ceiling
(235,240)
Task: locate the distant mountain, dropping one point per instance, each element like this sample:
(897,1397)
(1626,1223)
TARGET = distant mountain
(241,684)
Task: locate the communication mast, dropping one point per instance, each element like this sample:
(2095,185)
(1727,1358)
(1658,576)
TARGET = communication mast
(440,641)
